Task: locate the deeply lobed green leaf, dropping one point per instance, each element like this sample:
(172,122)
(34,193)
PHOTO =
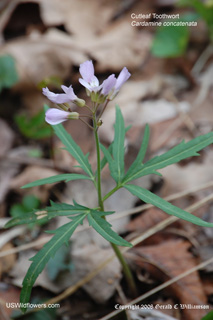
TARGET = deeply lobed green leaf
(39,261)
(149,197)
(176,154)
(105,159)
(141,154)
(44,215)
(108,157)
(104,229)
(74,149)
(58,178)
(118,149)
(114,155)
(111,162)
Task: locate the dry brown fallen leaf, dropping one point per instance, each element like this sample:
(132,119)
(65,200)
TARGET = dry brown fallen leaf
(30,174)
(147,220)
(55,52)
(100,38)
(7,262)
(137,112)
(78,16)
(208,285)
(149,315)
(150,219)
(7,138)
(206,82)
(166,134)
(121,45)
(39,56)
(205,239)
(178,178)
(169,259)
(85,259)
(7,171)
(8,294)
(21,267)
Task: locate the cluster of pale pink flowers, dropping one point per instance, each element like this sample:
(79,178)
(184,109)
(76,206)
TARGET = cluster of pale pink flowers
(98,93)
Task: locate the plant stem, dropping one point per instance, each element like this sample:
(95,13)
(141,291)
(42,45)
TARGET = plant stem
(100,201)
(126,269)
(111,192)
(86,123)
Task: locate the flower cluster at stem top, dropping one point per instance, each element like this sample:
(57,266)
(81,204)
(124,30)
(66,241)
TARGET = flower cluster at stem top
(99,94)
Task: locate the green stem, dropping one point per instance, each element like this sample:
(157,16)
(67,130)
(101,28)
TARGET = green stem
(111,192)
(126,269)
(100,201)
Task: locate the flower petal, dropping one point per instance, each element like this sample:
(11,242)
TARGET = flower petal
(85,84)
(55,116)
(50,95)
(60,97)
(87,70)
(108,84)
(123,77)
(89,86)
(69,92)
(94,82)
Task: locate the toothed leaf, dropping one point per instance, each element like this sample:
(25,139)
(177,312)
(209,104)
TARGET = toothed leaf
(39,261)
(104,229)
(118,149)
(48,213)
(141,154)
(58,178)
(176,154)
(73,149)
(149,197)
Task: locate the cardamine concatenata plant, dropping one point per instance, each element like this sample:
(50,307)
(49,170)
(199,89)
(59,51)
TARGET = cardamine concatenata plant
(99,95)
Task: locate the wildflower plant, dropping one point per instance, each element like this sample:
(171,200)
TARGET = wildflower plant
(100,95)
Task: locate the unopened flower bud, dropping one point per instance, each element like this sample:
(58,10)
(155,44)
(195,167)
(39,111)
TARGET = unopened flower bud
(64,106)
(94,96)
(73,116)
(80,102)
(100,122)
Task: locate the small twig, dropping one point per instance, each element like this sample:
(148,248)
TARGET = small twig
(183,234)
(183,116)
(123,299)
(201,61)
(163,224)
(160,287)
(3,315)
(86,124)
(166,134)
(121,293)
(85,115)
(6,13)
(88,107)
(26,246)
(103,109)
(11,234)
